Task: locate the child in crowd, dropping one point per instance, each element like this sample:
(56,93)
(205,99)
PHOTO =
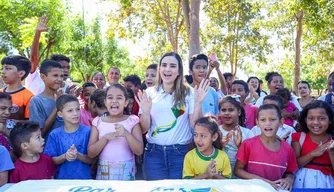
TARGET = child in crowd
(207,161)
(96,103)
(43,106)
(240,87)
(116,138)
(131,97)
(214,83)
(14,70)
(267,157)
(67,145)
(254,90)
(86,117)
(198,68)
(34,81)
(290,111)
(28,142)
(6,124)
(133,82)
(114,74)
(99,80)
(5,108)
(233,130)
(304,91)
(284,132)
(151,75)
(229,80)
(5,165)
(275,82)
(314,147)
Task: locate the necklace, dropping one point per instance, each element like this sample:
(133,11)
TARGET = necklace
(213,152)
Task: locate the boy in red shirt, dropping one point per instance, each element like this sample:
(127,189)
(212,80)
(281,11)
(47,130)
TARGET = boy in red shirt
(28,143)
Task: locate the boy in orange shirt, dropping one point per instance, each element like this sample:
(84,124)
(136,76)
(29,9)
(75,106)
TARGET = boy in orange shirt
(14,70)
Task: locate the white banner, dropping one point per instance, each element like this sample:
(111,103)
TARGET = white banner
(231,185)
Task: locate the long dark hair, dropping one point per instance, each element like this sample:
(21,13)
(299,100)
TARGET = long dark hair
(258,90)
(236,104)
(210,122)
(181,88)
(316,105)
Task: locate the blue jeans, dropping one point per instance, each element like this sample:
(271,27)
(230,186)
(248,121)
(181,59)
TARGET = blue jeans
(164,162)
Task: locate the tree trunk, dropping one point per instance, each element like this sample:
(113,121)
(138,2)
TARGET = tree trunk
(191,14)
(299,18)
(186,11)
(87,78)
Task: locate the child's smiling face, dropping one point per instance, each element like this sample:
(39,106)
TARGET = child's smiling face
(317,121)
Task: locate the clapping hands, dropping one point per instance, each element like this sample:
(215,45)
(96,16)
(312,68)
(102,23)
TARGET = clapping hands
(72,153)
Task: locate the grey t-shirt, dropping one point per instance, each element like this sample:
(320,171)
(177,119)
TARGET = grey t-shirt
(40,109)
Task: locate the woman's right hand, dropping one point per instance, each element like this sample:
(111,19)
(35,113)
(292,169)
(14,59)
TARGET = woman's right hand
(144,102)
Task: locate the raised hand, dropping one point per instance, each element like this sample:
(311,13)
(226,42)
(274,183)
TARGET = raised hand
(201,91)
(75,90)
(237,136)
(144,102)
(251,89)
(42,24)
(121,131)
(227,139)
(58,94)
(216,64)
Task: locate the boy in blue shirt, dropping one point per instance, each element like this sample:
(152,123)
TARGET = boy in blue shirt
(67,145)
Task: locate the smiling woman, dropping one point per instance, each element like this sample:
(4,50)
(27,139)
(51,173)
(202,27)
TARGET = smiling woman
(169,135)
(275,82)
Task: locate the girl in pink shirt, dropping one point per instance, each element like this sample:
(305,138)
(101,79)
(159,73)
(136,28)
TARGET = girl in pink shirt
(290,111)
(116,138)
